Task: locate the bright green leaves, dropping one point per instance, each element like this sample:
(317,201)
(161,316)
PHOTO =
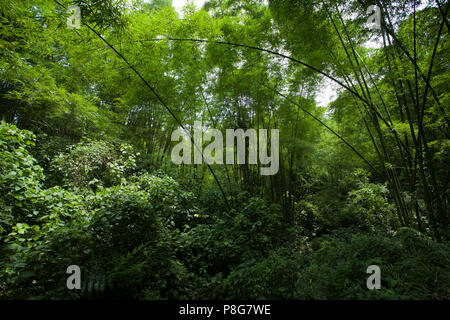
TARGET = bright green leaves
(103,14)
(20,176)
(88,163)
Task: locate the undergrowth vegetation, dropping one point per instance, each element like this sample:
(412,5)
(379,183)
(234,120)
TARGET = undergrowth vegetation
(141,235)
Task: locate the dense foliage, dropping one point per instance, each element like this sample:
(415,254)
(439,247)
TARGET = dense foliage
(86,176)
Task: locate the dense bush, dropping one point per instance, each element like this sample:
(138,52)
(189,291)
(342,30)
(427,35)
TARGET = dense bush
(90,163)
(45,230)
(143,236)
(271,277)
(20,177)
(412,266)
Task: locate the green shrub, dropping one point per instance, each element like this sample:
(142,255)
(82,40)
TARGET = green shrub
(36,255)
(412,267)
(20,177)
(93,163)
(273,277)
(233,238)
(124,217)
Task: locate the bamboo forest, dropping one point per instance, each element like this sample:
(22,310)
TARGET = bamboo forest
(224,149)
